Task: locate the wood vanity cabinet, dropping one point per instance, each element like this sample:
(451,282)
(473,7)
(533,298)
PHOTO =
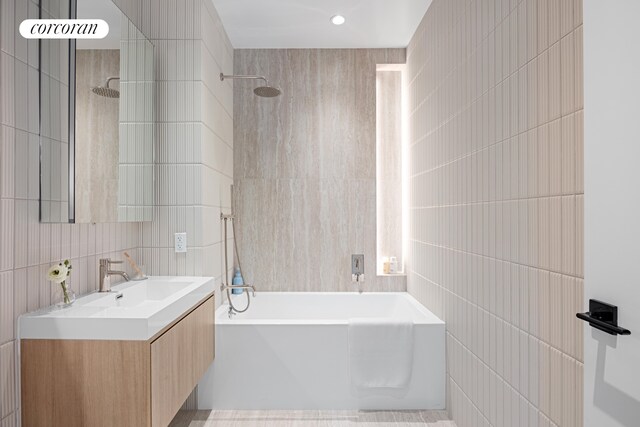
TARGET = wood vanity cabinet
(99,383)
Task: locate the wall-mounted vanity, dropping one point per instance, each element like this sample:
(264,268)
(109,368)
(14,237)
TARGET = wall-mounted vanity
(125,358)
(97,122)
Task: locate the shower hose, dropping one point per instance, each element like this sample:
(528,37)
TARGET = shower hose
(226,266)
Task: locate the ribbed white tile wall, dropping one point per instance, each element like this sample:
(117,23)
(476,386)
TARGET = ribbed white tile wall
(216,149)
(136,125)
(194,133)
(496,186)
(194,151)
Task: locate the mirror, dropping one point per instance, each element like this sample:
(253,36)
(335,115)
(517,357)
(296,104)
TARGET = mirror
(97,114)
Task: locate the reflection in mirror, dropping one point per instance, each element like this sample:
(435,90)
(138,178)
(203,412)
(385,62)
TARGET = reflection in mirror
(111,150)
(96,136)
(54,121)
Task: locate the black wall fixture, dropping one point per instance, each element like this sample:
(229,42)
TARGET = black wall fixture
(603,316)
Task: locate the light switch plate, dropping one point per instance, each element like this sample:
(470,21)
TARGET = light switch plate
(180,243)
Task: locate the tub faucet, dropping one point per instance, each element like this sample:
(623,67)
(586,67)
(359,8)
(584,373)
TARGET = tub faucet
(105,272)
(225,287)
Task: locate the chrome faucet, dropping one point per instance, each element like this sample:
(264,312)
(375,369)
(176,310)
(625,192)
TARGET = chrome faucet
(105,272)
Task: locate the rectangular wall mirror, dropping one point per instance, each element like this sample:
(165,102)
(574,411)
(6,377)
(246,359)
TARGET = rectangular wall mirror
(97,121)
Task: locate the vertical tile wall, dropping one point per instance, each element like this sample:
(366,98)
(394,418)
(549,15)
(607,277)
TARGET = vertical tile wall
(136,128)
(194,133)
(194,143)
(496,127)
(217,139)
(27,247)
(305,168)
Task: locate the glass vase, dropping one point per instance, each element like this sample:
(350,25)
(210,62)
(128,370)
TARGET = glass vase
(68,296)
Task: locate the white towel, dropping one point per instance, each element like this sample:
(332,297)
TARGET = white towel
(380,352)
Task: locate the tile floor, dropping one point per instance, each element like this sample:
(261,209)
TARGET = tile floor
(311,419)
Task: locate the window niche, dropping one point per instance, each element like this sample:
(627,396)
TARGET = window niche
(390,191)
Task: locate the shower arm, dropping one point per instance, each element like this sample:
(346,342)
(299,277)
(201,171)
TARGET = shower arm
(109,80)
(266,91)
(245,77)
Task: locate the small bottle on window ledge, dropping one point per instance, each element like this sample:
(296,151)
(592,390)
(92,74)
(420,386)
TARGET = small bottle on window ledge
(393,265)
(386,265)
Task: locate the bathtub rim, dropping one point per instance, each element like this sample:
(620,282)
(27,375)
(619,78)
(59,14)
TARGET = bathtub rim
(221,316)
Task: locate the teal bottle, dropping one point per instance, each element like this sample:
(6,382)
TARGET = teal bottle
(237,280)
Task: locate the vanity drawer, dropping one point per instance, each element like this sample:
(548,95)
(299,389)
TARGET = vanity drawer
(79,383)
(179,358)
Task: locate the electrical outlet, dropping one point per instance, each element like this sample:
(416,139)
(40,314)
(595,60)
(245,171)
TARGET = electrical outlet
(181,243)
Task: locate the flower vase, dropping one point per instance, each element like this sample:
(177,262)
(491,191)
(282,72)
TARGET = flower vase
(68,296)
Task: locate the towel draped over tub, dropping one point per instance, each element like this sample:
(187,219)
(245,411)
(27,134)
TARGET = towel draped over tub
(380,353)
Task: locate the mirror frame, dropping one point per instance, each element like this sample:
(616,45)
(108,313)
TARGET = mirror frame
(71,152)
(73,13)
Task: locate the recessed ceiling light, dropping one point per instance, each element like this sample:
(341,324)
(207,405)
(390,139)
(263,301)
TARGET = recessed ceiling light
(337,20)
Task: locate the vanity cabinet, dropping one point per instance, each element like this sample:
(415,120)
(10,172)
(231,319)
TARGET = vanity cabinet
(179,358)
(104,383)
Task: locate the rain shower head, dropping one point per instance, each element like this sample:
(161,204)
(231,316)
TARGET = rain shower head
(266,91)
(105,90)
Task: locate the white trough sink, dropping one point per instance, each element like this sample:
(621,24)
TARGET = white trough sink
(131,311)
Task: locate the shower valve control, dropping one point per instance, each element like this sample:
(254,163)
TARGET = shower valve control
(357,268)
(180,243)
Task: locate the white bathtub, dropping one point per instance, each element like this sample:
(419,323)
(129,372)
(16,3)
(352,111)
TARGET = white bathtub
(290,351)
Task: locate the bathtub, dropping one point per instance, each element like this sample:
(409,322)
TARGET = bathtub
(290,351)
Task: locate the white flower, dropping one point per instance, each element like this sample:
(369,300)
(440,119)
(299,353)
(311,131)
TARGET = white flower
(57,273)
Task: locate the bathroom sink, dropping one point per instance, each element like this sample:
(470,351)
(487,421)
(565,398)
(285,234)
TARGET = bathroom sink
(144,293)
(131,311)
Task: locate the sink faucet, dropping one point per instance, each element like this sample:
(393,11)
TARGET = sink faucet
(105,272)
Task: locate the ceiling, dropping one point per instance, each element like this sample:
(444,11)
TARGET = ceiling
(305,23)
(107,11)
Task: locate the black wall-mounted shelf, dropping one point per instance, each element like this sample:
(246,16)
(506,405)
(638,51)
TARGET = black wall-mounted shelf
(603,316)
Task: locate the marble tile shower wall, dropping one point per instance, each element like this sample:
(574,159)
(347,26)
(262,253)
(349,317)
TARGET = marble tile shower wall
(194,133)
(305,168)
(496,126)
(195,145)
(27,247)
